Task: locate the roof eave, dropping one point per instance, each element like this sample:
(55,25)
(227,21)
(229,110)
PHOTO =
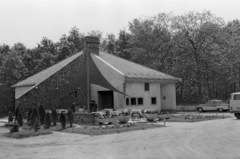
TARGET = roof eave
(157,80)
(23,85)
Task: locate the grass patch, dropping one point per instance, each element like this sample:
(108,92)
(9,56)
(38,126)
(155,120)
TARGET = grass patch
(24,134)
(107,129)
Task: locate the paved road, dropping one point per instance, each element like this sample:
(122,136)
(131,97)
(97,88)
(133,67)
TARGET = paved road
(214,139)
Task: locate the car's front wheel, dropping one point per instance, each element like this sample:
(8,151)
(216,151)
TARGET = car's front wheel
(200,109)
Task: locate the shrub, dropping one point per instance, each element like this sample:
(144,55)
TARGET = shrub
(29,115)
(16,113)
(42,114)
(15,127)
(54,117)
(10,116)
(63,121)
(70,117)
(36,125)
(73,108)
(34,115)
(20,119)
(47,121)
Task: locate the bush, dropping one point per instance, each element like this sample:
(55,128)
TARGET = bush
(63,121)
(15,127)
(20,119)
(47,121)
(42,114)
(54,117)
(73,108)
(36,125)
(34,116)
(29,115)
(10,117)
(16,113)
(70,117)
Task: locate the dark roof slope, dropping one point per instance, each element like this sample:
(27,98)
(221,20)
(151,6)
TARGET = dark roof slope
(43,75)
(133,70)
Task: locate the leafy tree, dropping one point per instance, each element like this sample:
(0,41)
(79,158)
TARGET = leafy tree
(197,34)
(122,46)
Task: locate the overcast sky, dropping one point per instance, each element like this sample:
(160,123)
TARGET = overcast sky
(28,21)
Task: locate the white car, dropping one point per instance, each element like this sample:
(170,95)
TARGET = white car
(213,105)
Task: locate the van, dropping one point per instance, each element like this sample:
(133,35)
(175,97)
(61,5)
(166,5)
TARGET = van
(235,104)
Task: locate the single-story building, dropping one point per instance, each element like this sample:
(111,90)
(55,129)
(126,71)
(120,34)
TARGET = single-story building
(111,81)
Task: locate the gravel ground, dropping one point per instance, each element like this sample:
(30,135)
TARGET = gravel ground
(213,139)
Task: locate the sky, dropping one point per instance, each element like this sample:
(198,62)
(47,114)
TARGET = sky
(28,21)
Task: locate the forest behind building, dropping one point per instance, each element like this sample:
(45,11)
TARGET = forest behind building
(198,47)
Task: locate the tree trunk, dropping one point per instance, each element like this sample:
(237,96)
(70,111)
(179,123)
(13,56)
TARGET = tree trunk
(199,85)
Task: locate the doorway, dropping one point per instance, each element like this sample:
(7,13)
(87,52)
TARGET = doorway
(106,100)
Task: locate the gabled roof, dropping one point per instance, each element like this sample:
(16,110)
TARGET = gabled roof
(44,74)
(133,70)
(128,68)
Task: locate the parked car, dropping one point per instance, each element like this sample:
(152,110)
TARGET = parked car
(213,105)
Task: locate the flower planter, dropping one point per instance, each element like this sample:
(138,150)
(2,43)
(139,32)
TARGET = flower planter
(124,119)
(151,117)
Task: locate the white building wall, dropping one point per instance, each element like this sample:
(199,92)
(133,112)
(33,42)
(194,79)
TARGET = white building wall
(168,94)
(165,95)
(137,90)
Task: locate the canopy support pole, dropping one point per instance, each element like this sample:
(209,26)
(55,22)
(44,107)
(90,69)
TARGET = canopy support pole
(88,82)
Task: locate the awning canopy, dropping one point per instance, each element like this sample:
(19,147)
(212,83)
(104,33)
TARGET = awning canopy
(100,73)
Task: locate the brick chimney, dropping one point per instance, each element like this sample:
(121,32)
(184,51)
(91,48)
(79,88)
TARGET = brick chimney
(91,44)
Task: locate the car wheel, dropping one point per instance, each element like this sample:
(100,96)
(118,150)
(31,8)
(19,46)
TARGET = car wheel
(220,110)
(200,109)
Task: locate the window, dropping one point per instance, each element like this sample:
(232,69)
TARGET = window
(133,101)
(127,101)
(154,100)
(140,101)
(146,86)
(236,97)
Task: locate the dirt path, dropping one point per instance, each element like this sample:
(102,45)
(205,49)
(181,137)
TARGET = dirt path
(203,140)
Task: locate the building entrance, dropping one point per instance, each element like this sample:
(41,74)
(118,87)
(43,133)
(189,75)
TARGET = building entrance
(106,100)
